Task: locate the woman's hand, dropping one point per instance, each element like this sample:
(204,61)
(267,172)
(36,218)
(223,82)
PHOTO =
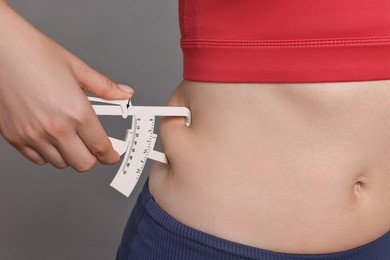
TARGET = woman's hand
(44,112)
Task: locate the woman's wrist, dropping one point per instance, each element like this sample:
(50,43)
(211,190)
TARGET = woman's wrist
(15,33)
(3,3)
(4,11)
(9,23)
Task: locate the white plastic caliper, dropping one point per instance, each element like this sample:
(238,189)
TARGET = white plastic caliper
(140,138)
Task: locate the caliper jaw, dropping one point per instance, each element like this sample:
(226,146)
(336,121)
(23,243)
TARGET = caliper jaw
(119,145)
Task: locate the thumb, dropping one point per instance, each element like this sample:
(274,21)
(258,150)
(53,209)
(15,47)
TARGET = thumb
(99,84)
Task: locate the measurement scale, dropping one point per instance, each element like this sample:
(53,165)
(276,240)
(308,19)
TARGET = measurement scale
(139,140)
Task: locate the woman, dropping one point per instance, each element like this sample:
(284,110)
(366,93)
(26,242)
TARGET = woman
(278,166)
(287,154)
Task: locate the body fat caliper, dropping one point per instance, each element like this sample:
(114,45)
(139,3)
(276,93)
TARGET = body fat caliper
(139,140)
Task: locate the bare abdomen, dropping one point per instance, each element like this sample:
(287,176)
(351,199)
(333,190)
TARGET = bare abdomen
(298,168)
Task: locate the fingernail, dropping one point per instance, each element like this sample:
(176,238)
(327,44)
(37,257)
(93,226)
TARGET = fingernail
(126,89)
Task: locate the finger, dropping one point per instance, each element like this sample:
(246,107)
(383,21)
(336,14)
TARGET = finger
(75,153)
(99,84)
(32,155)
(95,138)
(51,154)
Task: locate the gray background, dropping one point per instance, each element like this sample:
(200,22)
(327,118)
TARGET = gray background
(48,213)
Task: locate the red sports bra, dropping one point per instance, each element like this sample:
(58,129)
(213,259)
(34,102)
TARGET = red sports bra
(285,40)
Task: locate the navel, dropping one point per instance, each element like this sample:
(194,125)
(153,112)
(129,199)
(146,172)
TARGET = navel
(358,187)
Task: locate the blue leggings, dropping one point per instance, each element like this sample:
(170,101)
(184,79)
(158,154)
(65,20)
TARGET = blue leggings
(153,234)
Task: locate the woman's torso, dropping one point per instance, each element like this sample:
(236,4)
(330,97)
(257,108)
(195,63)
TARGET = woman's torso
(298,168)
